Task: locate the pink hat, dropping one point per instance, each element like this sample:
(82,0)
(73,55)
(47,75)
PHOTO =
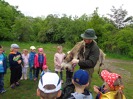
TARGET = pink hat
(40,49)
(109,78)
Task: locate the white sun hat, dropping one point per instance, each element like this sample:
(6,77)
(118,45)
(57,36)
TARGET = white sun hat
(49,79)
(32,47)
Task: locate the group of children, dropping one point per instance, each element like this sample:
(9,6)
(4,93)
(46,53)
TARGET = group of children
(20,64)
(50,86)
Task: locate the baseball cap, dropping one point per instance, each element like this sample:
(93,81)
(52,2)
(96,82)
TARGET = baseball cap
(14,46)
(32,47)
(49,79)
(109,78)
(81,77)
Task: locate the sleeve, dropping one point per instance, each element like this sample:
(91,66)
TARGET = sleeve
(91,60)
(35,61)
(55,60)
(45,60)
(5,63)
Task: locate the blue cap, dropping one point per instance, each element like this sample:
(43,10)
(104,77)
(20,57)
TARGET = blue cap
(81,77)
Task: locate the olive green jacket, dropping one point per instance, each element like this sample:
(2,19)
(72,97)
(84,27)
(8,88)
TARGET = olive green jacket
(89,56)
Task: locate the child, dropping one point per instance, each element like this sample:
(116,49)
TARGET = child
(49,86)
(39,61)
(31,62)
(113,86)
(3,67)
(81,81)
(15,62)
(45,69)
(58,58)
(25,66)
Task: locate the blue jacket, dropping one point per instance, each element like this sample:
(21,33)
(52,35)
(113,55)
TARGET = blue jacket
(13,58)
(4,63)
(31,58)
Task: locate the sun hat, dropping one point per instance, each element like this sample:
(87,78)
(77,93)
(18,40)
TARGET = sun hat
(32,48)
(89,34)
(40,49)
(109,78)
(14,46)
(49,79)
(81,77)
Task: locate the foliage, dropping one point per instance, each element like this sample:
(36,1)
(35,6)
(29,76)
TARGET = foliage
(119,17)
(115,35)
(8,15)
(27,88)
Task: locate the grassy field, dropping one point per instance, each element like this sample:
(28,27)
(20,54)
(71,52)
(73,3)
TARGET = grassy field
(27,89)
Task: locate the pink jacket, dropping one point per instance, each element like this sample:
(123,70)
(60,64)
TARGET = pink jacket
(36,62)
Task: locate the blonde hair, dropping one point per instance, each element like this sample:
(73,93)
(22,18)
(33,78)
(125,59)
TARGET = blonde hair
(25,50)
(78,85)
(48,95)
(59,48)
(118,84)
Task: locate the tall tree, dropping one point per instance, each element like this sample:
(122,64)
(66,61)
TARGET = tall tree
(119,17)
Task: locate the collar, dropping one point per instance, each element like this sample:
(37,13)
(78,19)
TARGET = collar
(89,45)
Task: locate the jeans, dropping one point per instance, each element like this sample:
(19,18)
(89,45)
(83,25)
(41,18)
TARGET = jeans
(1,81)
(32,73)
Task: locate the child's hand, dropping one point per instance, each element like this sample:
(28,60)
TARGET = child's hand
(96,89)
(19,61)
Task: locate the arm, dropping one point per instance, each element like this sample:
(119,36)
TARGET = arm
(55,60)
(35,61)
(45,60)
(5,63)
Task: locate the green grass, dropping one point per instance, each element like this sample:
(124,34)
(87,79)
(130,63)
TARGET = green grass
(118,56)
(27,89)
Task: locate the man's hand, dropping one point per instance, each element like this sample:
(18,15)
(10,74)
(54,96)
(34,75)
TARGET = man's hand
(75,61)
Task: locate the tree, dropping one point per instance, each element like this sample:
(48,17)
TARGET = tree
(118,17)
(8,15)
(22,29)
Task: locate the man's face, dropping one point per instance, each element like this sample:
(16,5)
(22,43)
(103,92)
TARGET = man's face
(87,41)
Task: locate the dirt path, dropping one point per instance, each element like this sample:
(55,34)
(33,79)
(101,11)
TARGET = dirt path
(118,61)
(110,64)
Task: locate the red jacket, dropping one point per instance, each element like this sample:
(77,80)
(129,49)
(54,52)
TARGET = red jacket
(36,62)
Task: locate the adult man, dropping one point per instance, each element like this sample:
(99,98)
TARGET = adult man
(89,53)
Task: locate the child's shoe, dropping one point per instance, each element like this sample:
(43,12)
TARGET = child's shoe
(12,86)
(25,78)
(35,79)
(3,91)
(17,84)
(62,81)
(21,78)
